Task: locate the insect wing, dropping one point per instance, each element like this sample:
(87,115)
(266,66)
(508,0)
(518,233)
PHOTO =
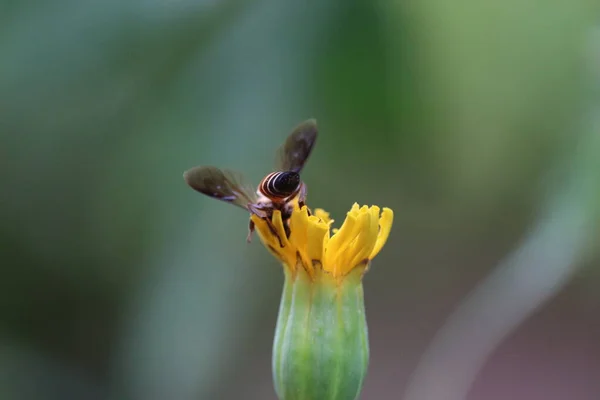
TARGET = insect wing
(228,186)
(295,151)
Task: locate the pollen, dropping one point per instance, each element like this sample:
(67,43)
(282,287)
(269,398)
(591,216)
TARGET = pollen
(313,245)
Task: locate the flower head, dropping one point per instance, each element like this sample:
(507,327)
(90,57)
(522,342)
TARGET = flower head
(311,246)
(321,346)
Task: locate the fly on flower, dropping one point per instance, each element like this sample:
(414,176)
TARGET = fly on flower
(321,345)
(280,190)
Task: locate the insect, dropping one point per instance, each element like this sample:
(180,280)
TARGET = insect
(279,190)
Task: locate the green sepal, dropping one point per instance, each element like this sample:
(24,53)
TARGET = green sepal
(321,348)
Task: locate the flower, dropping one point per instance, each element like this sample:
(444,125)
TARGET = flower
(321,346)
(311,247)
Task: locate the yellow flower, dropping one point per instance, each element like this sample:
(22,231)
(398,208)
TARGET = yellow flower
(321,346)
(311,247)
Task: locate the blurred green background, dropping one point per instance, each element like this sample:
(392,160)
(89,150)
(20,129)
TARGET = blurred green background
(478,123)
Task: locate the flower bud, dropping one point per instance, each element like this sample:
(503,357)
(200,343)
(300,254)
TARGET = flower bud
(321,349)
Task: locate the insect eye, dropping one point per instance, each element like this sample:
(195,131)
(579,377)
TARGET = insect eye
(287,182)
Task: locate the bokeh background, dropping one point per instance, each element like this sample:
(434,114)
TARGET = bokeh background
(478,123)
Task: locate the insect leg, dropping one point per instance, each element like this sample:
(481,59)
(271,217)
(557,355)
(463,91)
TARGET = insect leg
(250,231)
(302,193)
(273,230)
(302,197)
(261,213)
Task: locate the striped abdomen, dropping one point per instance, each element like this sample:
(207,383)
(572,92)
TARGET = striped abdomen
(280,185)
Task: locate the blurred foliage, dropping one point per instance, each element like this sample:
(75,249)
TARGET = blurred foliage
(120,280)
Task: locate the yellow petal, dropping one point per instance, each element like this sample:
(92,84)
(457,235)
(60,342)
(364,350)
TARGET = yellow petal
(262,228)
(278,225)
(335,251)
(269,240)
(359,239)
(367,238)
(318,235)
(298,227)
(299,236)
(385,225)
(323,215)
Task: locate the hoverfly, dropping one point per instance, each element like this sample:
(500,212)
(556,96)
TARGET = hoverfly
(277,191)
